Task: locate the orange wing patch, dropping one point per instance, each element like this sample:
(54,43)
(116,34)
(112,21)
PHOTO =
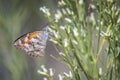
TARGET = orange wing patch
(34,34)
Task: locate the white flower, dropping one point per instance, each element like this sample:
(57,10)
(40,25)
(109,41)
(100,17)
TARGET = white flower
(74,41)
(56,34)
(118,21)
(92,6)
(100,71)
(83,32)
(97,27)
(58,16)
(117,12)
(45,10)
(92,18)
(61,53)
(68,20)
(44,69)
(75,31)
(65,42)
(51,72)
(62,27)
(60,77)
(103,34)
(80,2)
(61,3)
(41,72)
(68,74)
(68,29)
(54,41)
(64,11)
(69,11)
(101,22)
(114,8)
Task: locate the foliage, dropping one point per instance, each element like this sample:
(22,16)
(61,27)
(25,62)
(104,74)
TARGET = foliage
(89,44)
(12,18)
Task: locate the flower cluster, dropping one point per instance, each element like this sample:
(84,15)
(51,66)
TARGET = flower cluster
(81,37)
(49,74)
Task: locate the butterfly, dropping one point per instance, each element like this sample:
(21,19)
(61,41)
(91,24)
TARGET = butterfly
(33,43)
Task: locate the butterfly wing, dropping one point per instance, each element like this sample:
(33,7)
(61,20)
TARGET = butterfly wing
(33,43)
(39,44)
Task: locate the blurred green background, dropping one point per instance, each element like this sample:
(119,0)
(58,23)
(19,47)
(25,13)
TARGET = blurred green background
(18,17)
